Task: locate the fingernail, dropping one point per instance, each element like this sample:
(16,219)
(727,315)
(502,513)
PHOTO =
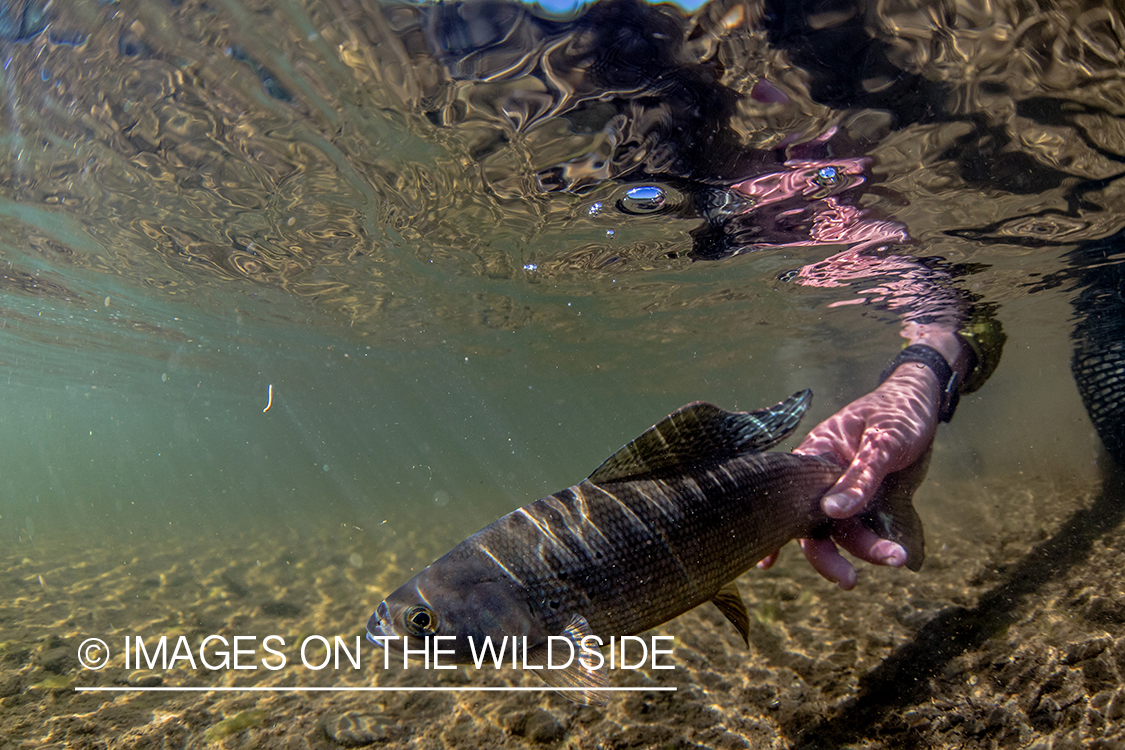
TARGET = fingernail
(896,557)
(837,506)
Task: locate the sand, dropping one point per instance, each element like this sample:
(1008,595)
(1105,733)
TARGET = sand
(1013,635)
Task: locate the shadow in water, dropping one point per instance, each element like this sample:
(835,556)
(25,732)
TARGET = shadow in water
(903,679)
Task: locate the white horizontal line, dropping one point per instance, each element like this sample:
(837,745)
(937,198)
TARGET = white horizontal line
(366,689)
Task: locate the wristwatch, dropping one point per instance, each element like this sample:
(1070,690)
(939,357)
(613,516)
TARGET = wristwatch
(947,378)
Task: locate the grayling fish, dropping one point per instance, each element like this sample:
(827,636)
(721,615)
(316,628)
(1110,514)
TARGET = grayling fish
(667,523)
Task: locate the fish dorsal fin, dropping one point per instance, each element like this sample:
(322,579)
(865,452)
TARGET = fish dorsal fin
(703,432)
(730,603)
(577,681)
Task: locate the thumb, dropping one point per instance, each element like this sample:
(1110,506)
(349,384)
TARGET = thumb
(863,476)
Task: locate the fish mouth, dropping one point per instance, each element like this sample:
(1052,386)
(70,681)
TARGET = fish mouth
(379,625)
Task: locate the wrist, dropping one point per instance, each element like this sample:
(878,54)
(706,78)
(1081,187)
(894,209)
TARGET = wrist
(947,342)
(927,361)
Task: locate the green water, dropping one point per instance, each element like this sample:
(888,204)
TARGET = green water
(110,440)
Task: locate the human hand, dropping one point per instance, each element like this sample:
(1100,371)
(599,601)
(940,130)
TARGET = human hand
(882,432)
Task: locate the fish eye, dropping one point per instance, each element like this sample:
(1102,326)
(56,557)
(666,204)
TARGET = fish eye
(420,620)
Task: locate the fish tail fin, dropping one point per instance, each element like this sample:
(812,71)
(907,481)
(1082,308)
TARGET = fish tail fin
(891,512)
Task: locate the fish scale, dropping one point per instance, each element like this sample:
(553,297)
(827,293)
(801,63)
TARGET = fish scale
(672,543)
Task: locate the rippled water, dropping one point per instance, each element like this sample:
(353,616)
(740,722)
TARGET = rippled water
(466,250)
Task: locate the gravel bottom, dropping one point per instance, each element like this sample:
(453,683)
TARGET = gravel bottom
(1013,635)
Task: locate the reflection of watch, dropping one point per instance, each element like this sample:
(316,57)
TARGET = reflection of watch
(947,378)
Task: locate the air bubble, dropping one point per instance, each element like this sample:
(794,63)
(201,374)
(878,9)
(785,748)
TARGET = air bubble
(643,199)
(827,176)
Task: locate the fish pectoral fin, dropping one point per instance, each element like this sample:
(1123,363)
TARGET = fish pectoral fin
(891,514)
(703,432)
(577,680)
(730,603)
(577,629)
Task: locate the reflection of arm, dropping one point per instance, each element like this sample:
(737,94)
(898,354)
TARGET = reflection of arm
(932,311)
(806,194)
(806,203)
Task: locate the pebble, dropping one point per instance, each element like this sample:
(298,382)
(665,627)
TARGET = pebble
(353,729)
(143,678)
(10,685)
(541,726)
(56,660)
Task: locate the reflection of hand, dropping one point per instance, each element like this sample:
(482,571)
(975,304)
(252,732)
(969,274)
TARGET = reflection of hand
(880,433)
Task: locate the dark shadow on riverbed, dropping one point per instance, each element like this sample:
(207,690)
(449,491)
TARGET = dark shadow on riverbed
(904,678)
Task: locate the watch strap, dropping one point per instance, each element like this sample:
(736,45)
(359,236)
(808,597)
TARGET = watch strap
(947,378)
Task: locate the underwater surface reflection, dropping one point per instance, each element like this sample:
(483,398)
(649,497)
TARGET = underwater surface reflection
(298,294)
